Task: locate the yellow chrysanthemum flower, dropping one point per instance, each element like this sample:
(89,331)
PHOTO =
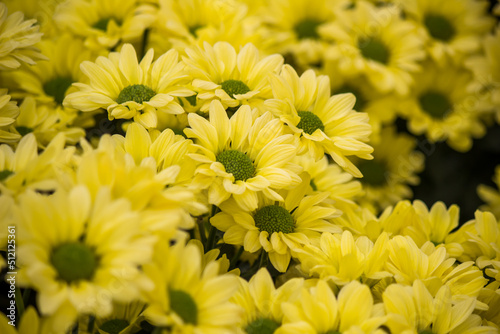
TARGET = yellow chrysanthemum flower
(323,123)
(490,295)
(278,227)
(450,28)
(9,112)
(187,297)
(490,195)
(415,310)
(105,24)
(154,193)
(386,178)
(24,168)
(242,156)
(128,89)
(319,311)
(342,259)
(17,40)
(182,24)
(486,69)
(329,177)
(293,28)
(262,302)
(377,43)
(432,265)
(439,107)
(167,148)
(80,254)
(233,78)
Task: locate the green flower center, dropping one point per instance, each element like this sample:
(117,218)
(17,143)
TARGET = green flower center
(5,174)
(102,24)
(307,28)
(372,48)
(57,88)
(439,27)
(114,326)
(262,326)
(23,130)
(237,163)
(136,93)
(435,104)
(274,218)
(234,87)
(184,305)
(309,122)
(74,261)
(360,100)
(193,30)
(374,173)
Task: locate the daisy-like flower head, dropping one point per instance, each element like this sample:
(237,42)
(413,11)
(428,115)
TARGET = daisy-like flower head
(451,29)
(17,40)
(413,309)
(128,89)
(293,28)
(486,69)
(342,259)
(24,168)
(376,43)
(386,178)
(262,302)
(319,311)
(9,112)
(278,227)
(220,73)
(80,254)
(323,123)
(440,107)
(189,297)
(242,156)
(490,195)
(105,24)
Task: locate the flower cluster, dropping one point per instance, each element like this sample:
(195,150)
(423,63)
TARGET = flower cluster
(235,166)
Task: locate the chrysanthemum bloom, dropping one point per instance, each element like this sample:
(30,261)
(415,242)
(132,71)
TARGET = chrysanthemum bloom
(105,24)
(167,148)
(233,78)
(292,28)
(189,297)
(386,178)
(24,168)
(450,28)
(486,69)
(434,267)
(17,40)
(262,302)
(329,177)
(435,225)
(9,112)
(79,254)
(278,227)
(490,195)
(128,89)
(182,24)
(323,123)
(151,192)
(319,311)
(413,309)
(377,43)
(342,259)
(440,107)
(242,156)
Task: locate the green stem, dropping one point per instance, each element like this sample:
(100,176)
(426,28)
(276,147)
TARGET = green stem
(211,238)
(145,37)
(26,296)
(19,302)
(201,229)
(263,259)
